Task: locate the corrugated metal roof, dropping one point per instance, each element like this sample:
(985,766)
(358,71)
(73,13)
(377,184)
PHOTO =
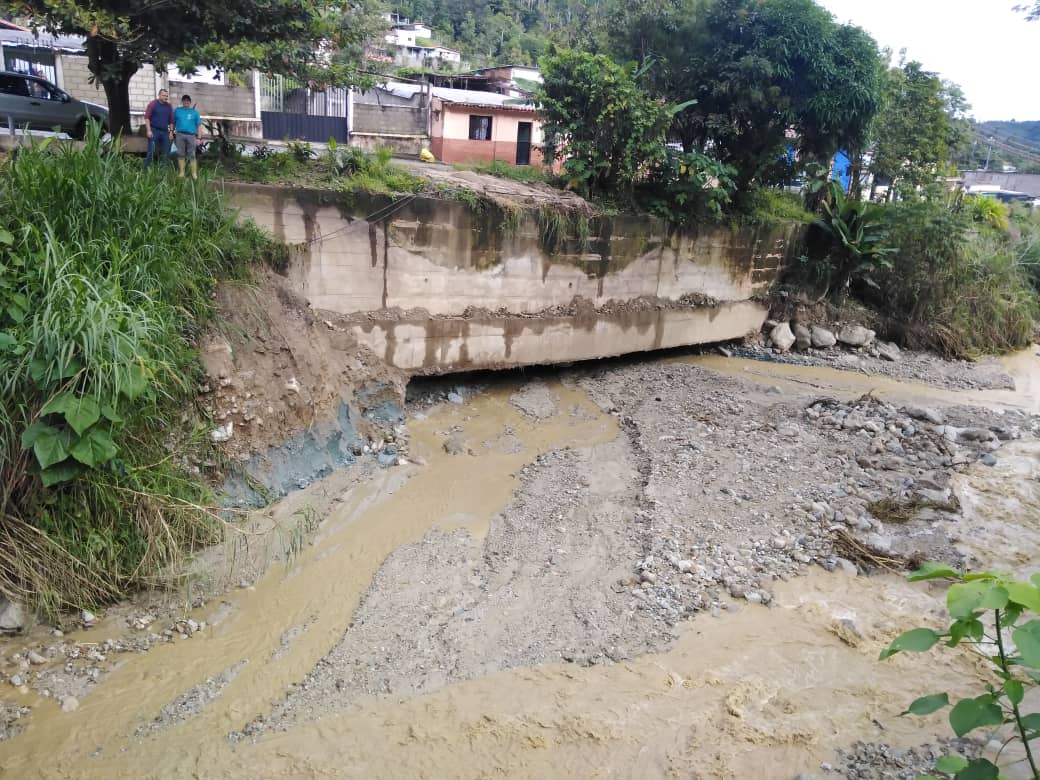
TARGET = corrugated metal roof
(70,43)
(469,97)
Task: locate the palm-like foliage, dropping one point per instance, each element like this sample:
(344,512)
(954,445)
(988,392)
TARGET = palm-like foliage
(857,233)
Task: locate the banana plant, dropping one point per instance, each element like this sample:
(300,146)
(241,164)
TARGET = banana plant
(857,232)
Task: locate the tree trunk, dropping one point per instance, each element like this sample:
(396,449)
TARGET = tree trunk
(856,177)
(113,71)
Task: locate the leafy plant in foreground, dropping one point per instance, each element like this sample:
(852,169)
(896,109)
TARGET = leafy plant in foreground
(856,229)
(1013,650)
(106,280)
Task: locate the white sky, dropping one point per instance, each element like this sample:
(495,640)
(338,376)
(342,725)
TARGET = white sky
(984,46)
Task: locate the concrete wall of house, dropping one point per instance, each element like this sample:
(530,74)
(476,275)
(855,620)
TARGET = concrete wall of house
(76,81)
(631,284)
(1016,182)
(402,145)
(452,144)
(213,100)
(392,120)
(216,100)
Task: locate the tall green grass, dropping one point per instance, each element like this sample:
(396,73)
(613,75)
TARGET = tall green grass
(957,284)
(106,275)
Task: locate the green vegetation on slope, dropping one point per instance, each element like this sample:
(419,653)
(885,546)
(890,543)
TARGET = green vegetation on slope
(106,274)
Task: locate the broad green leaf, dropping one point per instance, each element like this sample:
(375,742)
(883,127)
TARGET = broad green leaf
(62,472)
(970,714)
(95,448)
(134,382)
(951,764)
(38,369)
(1035,579)
(964,598)
(109,412)
(1010,615)
(6,238)
(1027,640)
(1031,722)
(71,368)
(1015,690)
(965,628)
(979,769)
(80,411)
(7,340)
(917,640)
(32,433)
(926,705)
(52,446)
(933,571)
(1026,595)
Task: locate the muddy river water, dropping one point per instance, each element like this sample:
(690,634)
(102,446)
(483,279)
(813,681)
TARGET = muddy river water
(756,691)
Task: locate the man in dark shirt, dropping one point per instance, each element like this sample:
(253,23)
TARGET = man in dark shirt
(158,123)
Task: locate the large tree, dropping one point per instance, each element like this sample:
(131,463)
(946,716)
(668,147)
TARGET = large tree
(285,36)
(920,122)
(606,129)
(757,69)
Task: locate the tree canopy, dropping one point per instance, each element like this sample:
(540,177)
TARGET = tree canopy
(286,36)
(757,68)
(920,122)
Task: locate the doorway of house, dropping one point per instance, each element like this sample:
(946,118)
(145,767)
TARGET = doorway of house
(523,143)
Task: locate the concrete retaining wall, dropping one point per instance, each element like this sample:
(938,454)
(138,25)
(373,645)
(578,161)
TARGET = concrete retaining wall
(479,288)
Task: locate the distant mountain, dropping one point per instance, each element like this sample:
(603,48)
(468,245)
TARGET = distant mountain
(1025,133)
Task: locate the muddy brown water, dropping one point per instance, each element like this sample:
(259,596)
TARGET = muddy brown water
(763,692)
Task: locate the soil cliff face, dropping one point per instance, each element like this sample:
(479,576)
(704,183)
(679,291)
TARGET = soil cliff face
(290,392)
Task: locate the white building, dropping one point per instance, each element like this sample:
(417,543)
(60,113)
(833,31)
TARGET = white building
(408,34)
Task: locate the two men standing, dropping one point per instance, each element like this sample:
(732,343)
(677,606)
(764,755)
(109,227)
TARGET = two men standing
(161,121)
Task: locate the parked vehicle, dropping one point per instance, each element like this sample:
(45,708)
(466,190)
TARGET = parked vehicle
(29,101)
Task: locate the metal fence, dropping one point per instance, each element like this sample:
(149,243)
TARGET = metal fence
(291,109)
(30,60)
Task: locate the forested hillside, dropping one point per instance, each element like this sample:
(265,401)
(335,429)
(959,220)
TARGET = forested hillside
(514,31)
(1025,133)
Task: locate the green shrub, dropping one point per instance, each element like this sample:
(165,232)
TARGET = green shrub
(522,173)
(765,207)
(683,188)
(1011,644)
(106,276)
(951,289)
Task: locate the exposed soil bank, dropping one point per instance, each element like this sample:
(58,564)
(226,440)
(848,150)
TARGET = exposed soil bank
(621,571)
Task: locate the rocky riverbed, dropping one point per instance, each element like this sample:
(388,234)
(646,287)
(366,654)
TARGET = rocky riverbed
(587,525)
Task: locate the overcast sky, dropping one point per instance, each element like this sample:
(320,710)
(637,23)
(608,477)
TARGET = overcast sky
(984,46)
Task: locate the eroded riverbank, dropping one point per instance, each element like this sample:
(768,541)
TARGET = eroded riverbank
(579,590)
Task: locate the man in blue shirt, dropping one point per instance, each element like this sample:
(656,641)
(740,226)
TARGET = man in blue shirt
(158,121)
(187,124)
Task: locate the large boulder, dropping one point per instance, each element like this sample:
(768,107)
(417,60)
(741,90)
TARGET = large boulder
(802,337)
(856,336)
(925,413)
(782,337)
(887,351)
(12,616)
(823,338)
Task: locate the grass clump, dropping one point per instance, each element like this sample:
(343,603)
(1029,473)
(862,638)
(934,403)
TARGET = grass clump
(347,168)
(527,174)
(765,207)
(106,275)
(956,284)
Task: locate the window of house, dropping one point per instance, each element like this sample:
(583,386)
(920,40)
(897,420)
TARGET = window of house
(480,128)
